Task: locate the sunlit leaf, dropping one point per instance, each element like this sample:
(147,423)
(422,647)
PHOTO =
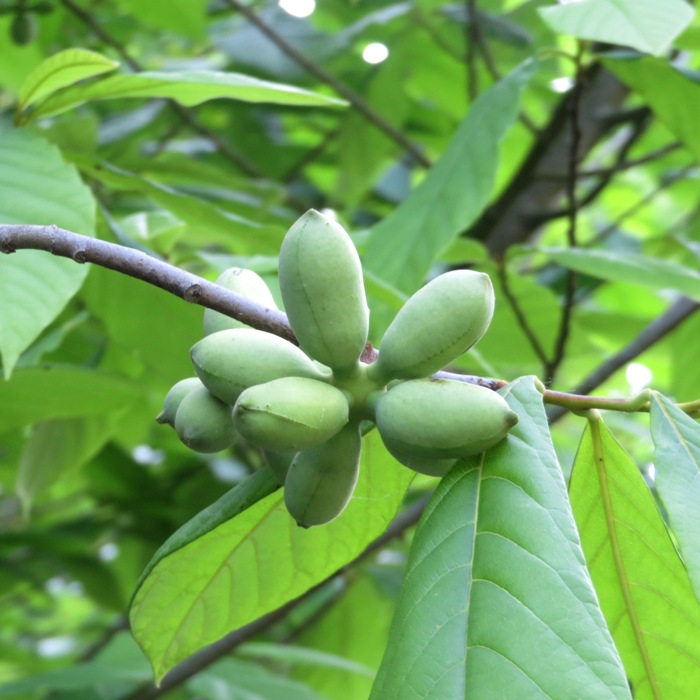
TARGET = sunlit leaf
(645,25)
(186,87)
(677,462)
(61,70)
(496,600)
(255,562)
(37,187)
(643,588)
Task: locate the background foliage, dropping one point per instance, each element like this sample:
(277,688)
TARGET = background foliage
(552,146)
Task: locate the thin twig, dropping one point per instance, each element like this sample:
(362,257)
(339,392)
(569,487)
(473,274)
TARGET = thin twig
(324,76)
(655,331)
(553,364)
(140,265)
(210,654)
(520,315)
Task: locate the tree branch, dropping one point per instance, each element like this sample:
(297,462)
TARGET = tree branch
(214,652)
(655,331)
(324,76)
(140,265)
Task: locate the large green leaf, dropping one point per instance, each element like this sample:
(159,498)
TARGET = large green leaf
(403,246)
(630,267)
(255,562)
(40,393)
(646,25)
(186,87)
(673,97)
(37,187)
(677,462)
(496,600)
(61,70)
(644,590)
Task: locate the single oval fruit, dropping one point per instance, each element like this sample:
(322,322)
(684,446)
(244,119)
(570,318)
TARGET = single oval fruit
(323,292)
(229,362)
(279,462)
(434,466)
(442,419)
(174,398)
(436,325)
(204,423)
(320,481)
(290,414)
(23,29)
(246,283)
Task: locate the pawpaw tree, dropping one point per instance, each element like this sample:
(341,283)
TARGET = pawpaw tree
(349,350)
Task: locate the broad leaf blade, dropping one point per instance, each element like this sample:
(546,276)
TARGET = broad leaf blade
(37,187)
(496,600)
(643,588)
(632,268)
(677,460)
(403,246)
(256,562)
(61,70)
(189,88)
(645,25)
(674,97)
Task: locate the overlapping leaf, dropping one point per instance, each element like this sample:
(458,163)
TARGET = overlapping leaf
(643,588)
(645,25)
(255,562)
(497,601)
(677,462)
(37,187)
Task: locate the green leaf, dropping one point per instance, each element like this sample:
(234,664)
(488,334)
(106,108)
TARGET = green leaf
(302,656)
(646,25)
(673,96)
(37,187)
(677,461)
(255,562)
(631,267)
(235,679)
(496,600)
(189,88)
(643,588)
(61,70)
(403,246)
(56,447)
(40,393)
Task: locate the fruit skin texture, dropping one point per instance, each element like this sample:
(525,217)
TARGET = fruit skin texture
(174,398)
(231,361)
(246,283)
(436,325)
(323,292)
(290,414)
(321,480)
(442,419)
(204,423)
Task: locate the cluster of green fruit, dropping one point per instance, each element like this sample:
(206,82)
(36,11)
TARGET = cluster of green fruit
(305,406)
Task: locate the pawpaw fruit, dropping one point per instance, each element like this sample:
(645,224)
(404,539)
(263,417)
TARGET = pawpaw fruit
(174,397)
(204,423)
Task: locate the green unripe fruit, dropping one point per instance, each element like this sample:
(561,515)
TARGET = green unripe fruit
(323,292)
(321,480)
(204,423)
(23,29)
(290,414)
(174,398)
(442,419)
(246,283)
(231,361)
(436,325)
